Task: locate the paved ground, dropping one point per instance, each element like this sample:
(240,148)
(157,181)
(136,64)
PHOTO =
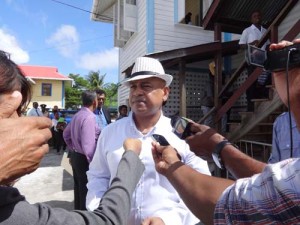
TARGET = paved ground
(50,183)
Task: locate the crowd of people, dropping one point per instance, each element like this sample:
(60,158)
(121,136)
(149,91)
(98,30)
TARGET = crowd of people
(122,176)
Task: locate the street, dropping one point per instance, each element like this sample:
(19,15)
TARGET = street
(50,183)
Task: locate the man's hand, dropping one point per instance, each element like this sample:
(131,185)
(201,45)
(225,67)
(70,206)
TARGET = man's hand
(9,104)
(204,140)
(23,144)
(131,144)
(153,221)
(164,157)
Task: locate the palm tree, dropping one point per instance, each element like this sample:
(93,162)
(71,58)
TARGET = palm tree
(95,79)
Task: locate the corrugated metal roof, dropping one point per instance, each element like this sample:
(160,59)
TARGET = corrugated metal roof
(42,72)
(234,15)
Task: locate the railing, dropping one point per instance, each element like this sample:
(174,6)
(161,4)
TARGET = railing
(258,150)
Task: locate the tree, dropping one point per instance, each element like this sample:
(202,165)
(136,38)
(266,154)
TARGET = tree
(111,90)
(96,80)
(92,82)
(73,94)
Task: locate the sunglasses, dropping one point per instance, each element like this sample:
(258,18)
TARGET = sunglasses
(181,126)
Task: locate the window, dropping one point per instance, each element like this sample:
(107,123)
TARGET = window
(46,89)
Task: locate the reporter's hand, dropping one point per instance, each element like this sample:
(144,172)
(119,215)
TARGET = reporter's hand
(153,221)
(132,144)
(204,140)
(9,104)
(23,144)
(164,157)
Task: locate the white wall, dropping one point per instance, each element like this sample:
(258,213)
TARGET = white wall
(172,35)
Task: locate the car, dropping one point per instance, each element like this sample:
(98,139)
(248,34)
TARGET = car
(68,114)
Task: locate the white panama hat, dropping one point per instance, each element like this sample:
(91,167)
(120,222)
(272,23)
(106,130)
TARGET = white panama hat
(146,67)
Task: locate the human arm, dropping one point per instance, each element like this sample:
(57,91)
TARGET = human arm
(200,192)
(204,141)
(67,136)
(89,136)
(23,140)
(113,209)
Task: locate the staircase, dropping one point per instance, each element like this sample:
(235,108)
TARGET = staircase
(257,126)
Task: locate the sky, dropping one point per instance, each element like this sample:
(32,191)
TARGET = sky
(46,33)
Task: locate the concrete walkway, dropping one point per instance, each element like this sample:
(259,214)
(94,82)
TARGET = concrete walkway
(50,183)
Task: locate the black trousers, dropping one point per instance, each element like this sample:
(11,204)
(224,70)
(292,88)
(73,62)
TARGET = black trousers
(80,166)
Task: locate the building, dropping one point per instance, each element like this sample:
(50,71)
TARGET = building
(48,85)
(157,29)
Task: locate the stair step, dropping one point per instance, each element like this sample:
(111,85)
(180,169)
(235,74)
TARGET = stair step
(260,99)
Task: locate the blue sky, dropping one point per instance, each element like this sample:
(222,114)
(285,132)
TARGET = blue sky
(43,32)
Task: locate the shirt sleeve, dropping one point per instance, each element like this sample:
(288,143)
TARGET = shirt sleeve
(67,136)
(271,197)
(89,137)
(113,209)
(243,39)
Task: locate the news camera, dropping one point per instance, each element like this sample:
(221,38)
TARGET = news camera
(275,60)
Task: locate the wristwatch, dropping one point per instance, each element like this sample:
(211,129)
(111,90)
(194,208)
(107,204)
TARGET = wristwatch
(217,152)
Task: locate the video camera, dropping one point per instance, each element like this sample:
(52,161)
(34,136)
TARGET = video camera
(276,60)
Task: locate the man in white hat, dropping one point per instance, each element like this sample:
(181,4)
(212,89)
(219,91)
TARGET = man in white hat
(154,201)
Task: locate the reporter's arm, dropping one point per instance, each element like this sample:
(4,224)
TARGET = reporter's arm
(198,191)
(203,143)
(239,164)
(113,208)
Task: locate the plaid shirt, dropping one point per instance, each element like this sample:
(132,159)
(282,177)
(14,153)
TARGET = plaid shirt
(272,197)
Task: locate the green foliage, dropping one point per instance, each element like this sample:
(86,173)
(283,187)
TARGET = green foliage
(111,90)
(93,81)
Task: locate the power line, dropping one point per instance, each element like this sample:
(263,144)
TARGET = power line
(75,7)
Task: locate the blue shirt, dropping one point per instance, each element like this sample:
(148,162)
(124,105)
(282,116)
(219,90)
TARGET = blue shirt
(281,139)
(100,118)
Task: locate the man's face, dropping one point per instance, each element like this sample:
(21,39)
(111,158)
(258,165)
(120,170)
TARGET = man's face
(256,18)
(147,96)
(35,105)
(101,100)
(123,111)
(294,90)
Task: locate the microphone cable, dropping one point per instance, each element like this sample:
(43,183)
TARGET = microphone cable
(288,100)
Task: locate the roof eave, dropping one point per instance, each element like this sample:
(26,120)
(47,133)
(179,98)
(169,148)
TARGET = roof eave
(102,10)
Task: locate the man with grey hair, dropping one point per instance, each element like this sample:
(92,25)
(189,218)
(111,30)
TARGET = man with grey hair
(154,200)
(81,136)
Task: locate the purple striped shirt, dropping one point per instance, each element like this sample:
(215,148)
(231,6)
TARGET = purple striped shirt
(272,197)
(82,133)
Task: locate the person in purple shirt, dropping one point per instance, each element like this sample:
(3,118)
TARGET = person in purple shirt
(81,136)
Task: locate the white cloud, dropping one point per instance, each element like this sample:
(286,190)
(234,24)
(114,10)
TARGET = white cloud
(10,44)
(107,59)
(65,40)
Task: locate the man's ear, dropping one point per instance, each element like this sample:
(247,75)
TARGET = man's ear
(95,104)
(166,91)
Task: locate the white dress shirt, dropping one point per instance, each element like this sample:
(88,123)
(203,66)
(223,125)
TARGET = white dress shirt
(154,196)
(251,34)
(34,112)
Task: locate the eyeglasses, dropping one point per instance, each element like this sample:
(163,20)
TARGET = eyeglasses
(181,126)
